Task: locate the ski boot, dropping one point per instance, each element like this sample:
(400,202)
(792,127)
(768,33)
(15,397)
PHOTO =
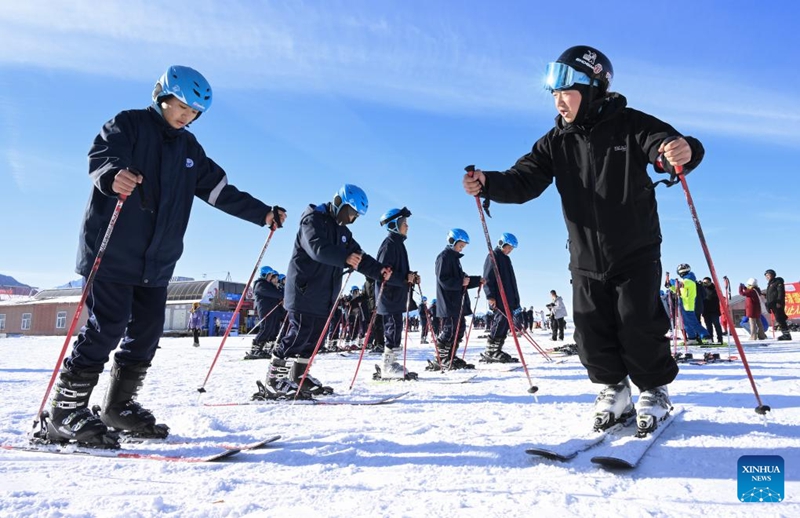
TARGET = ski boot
(390,369)
(258,352)
(70,418)
(613,405)
(653,407)
(442,361)
(785,336)
(494,353)
(279,384)
(122,412)
(311,384)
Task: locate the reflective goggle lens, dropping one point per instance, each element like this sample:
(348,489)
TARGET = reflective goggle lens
(560,77)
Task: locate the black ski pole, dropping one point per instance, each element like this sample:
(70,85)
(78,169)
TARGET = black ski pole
(532,388)
(761,409)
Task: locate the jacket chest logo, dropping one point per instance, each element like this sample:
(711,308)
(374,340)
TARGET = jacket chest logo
(344,239)
(189,163)
(621,148)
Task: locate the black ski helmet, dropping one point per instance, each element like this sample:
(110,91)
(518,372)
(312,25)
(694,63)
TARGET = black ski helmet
(771,272)
(591,62)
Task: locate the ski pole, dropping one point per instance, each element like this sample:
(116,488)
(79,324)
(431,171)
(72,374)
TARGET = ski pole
(431,330)
(86,287)
(761,409)
(202,388)
(458,326)
(368,333)
(531,341)
(532,388)
(471,320)
(405,338)
(322,335)
(262,320)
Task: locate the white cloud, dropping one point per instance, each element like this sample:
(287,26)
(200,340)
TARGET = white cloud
(347,50)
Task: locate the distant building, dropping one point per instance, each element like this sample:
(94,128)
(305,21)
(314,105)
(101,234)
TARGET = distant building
(50,312)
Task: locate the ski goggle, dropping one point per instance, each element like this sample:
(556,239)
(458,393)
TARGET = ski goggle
(559,76)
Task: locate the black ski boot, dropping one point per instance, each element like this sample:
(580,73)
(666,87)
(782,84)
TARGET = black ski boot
(279,383)
(121,410)
(311,384)
(70,418)
(443,350)
(259,352)
(494,353)
(786,335)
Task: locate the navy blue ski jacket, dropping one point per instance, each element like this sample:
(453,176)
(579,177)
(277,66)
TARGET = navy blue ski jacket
(266,295)
(148,236)
(395,291)
(449,285)
(607,196)
(314,277)
(491,289)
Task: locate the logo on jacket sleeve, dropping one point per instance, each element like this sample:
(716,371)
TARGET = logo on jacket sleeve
(189,163)
(344,239)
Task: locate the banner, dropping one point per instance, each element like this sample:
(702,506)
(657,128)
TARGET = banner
(792,306)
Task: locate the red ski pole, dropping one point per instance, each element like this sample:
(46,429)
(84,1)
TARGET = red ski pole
(532,388)
(368,333)
(86,287)
(471,321)
(430,330)
(202,388)
(761,409)
(458,326)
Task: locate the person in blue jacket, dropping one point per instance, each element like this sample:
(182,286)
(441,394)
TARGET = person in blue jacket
(452,303)
(267,298)
(499,330)
(148,156)
(324,247)
(393,299)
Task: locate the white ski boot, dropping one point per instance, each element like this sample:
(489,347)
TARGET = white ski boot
(613,405)
(653,407)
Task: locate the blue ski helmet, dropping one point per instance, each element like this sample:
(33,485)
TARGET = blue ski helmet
(455,235)
(281,277)
(508,239)
(433,301)
(392,218)
(185,84)
(354,288)
(351,195)
(266,270)
(424,299)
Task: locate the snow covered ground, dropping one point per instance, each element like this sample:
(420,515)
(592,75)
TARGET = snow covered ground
(443,450)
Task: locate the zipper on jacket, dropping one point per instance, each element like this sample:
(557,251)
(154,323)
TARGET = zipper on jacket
(593,176)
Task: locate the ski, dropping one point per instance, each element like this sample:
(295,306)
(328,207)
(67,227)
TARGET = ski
(330,400)
(72,449)
(569,449)
(625,451)
(257,445)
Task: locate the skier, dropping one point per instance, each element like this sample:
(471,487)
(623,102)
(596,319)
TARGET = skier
(559,312)
(149,156)
(494,352)
(196,322)
(434,319)
(453,305)
(267,297)
(423,321)
(776,299)
(598,153)
(711,310)
(689,298)
(392,300)
(324,247)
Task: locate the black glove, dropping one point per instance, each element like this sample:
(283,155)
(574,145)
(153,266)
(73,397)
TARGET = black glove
(276,216)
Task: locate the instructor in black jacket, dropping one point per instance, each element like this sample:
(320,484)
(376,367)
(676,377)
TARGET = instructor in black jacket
(597,154)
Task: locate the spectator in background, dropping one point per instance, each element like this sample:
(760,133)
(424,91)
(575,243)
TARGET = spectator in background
(752,308)
(711,310)
(559,311)
(196,322)
(776,299)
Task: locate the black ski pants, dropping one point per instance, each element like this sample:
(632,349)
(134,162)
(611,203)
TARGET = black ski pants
(621,327)
(133,314)
(302,336)
(448,329)
(499,329)
(392,330)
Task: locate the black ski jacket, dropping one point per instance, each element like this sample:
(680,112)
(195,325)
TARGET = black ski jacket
(314,277)
(395,291)
(710,301)
(607,197)
(449,285)
(507,276)
(776,294)
(148,235)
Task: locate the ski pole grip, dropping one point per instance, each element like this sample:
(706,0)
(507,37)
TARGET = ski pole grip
(470,169)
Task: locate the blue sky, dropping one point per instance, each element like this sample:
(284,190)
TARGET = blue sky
(397,97)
